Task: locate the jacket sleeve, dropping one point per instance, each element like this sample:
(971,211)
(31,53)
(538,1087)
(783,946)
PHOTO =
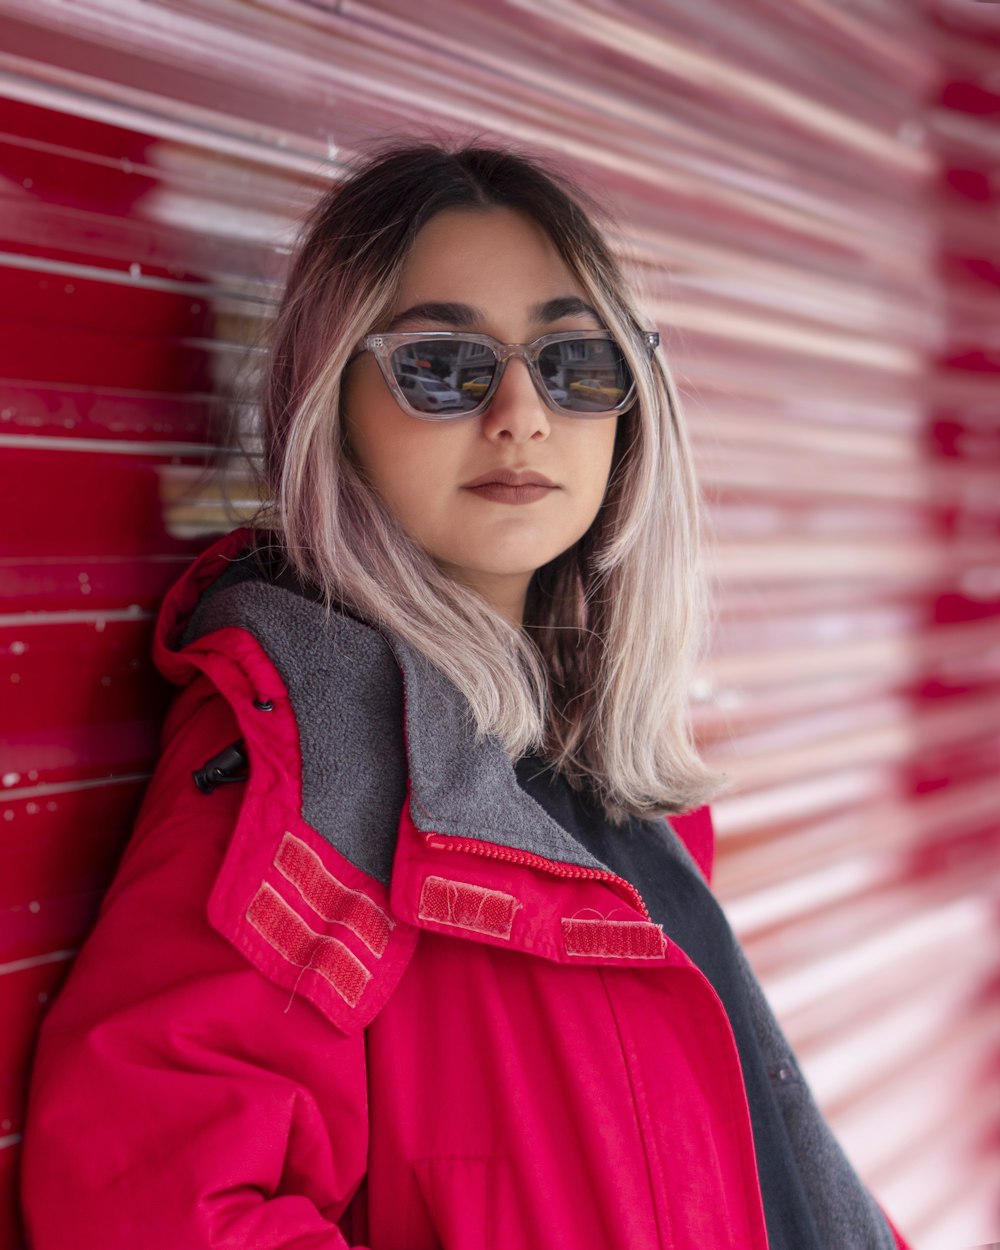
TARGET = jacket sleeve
(179,1098)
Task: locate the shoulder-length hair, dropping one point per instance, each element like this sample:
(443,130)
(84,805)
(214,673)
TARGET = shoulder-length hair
(598,678)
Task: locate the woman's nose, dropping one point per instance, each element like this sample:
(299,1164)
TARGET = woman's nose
(516,412)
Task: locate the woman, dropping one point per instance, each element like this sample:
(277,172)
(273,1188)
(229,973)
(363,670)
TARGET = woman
(403,953)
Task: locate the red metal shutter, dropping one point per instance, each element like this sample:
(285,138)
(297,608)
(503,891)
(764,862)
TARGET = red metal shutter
(809,194)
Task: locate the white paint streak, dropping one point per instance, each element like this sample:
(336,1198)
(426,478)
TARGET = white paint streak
(70,787)
(44,442)
(36,961)
(94,617)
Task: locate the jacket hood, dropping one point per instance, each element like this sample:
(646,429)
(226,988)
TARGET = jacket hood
(373,715)
(184,596)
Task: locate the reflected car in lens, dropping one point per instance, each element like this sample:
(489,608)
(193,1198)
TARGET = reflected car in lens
(476,387)
(429,394)
(595,391)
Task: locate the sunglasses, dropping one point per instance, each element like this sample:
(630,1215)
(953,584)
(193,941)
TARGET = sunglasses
(445,374)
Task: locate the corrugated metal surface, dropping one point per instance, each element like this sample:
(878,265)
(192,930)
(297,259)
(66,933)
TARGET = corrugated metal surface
(810,196)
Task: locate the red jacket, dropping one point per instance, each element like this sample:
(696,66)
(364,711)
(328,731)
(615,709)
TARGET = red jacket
(375,996)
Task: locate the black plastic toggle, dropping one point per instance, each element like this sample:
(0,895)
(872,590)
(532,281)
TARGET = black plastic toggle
(229,765)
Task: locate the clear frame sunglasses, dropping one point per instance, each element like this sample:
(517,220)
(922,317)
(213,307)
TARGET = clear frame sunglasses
(442,375)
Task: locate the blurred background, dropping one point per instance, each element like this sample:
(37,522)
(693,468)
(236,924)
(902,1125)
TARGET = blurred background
(809,195)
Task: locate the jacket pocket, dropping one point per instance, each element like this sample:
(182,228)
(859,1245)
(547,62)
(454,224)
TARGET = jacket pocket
(458,1192)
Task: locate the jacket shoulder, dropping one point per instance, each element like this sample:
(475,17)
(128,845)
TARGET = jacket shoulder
(696,831)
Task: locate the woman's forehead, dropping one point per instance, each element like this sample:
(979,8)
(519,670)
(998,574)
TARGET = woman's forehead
(475,259)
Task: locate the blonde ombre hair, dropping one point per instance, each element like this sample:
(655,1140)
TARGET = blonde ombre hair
(598,678)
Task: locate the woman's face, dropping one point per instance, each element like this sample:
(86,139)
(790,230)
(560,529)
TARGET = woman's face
(495,270)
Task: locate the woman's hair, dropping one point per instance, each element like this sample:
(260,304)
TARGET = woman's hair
(598,679)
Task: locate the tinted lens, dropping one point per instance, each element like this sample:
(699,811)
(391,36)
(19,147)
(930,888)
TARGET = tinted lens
(443,377)
(585,375)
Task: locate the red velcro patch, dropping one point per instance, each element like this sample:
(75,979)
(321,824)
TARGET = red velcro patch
(467,906)
(285,930)
(615,939)
(329,897)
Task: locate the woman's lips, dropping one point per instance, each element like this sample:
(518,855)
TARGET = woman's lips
(511,486)
(500,492)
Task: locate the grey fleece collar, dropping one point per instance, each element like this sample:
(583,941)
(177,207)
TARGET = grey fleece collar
(346,682)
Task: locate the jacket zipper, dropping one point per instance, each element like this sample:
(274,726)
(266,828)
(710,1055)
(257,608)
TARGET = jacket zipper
(449,842)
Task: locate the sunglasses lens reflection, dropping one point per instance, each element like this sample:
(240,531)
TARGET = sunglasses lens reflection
(443,377)
(585,375)
(449,377)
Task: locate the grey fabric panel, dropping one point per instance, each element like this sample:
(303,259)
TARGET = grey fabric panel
(847,1216)
(345,681)
(676,847)
(466,787)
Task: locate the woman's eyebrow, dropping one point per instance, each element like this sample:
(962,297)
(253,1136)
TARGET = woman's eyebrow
(465,316)
(461,316)
(563,306)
